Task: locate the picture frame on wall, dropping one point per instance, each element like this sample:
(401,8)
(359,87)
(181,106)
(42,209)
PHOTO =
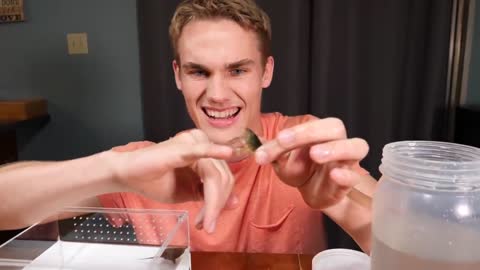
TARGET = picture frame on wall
(12,11)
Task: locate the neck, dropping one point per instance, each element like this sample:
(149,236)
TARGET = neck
(257,125)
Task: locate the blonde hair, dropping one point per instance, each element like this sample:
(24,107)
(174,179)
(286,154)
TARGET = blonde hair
(244,12)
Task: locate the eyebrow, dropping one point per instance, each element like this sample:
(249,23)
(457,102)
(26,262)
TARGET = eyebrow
(243,62)
(191,65)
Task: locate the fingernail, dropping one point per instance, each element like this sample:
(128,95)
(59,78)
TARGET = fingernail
(320,152)
(339,174)
(261,157)
(199,225)
(234,200)
(286,137)
(211,227)
(199,219)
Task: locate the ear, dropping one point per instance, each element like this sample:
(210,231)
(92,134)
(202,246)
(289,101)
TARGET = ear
(176,71)
(268,72)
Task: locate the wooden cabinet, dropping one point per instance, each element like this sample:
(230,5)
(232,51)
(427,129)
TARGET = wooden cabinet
(15,113)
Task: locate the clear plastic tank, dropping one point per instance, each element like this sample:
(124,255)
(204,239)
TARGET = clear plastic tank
(102,238)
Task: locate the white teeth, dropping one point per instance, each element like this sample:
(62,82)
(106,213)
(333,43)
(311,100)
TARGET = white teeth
(222,114)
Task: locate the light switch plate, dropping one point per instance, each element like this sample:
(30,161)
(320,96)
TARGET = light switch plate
(77,43)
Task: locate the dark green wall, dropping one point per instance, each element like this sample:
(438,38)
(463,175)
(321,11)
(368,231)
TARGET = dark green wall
(95,99)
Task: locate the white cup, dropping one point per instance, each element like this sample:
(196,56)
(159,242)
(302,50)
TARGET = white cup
(341,259)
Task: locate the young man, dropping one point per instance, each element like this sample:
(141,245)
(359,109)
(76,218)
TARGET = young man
(222,63)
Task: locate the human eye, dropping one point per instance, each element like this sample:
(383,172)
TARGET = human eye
(237,71)
(198,73)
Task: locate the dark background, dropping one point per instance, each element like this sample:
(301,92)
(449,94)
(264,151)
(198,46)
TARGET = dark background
(379,65)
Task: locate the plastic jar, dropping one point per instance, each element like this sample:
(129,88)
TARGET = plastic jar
(426,210)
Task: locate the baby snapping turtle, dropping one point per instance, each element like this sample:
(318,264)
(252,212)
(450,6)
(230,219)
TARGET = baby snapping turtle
(244,145)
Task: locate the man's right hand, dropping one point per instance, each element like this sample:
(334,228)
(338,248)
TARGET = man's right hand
(184,168)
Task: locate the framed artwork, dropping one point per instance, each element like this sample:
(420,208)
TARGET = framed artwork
(11,11)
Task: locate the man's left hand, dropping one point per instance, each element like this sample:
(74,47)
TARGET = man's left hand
(318,159)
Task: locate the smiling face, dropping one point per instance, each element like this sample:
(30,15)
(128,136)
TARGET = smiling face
(221,75)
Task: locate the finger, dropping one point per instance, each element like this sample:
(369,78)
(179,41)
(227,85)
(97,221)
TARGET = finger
(352,177)
(344,177)
(363,185)
(190,146)
(203,148)
(323,191)
(171,155)
(198,136)
(192,153)
(232,201)
(312,132)
(218,184)
(300,167)
(341,150)
(217,192)
(199,218)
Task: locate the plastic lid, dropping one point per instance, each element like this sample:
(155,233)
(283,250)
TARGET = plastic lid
(341,259)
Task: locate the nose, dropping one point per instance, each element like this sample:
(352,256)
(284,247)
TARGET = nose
(217,90)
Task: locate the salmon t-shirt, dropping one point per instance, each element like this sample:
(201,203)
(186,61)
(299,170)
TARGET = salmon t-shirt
(271,217)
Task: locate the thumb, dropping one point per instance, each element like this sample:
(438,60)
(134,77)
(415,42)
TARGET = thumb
(362,186)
